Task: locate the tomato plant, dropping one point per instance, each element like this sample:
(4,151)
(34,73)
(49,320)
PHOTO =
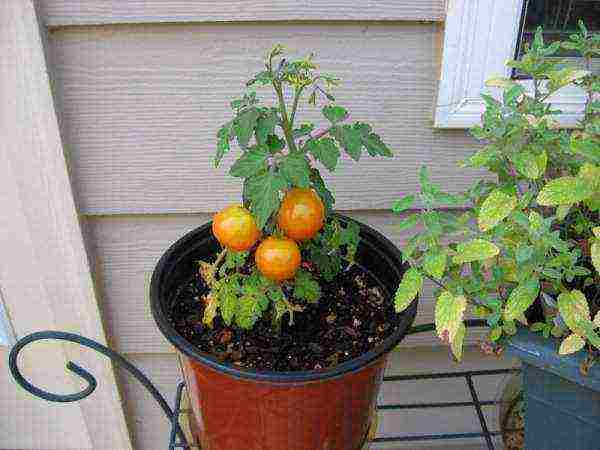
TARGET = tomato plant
(285,194)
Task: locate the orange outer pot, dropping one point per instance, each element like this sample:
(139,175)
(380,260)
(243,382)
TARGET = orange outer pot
(244,409)
(239,414)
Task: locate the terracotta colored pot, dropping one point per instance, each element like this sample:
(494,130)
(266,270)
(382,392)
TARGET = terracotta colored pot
(238,409)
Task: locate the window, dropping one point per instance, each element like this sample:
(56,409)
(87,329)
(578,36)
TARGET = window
(480,35)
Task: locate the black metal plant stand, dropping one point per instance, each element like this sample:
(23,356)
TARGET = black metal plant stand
(178,440)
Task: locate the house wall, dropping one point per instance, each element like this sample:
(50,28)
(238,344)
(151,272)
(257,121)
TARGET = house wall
(142,87)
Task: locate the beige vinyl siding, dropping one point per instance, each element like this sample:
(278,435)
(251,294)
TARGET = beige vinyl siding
(141,106)
(150,428)
(77,12)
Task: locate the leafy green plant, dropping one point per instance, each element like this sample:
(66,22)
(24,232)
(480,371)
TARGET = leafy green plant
(277,155)
(532,233)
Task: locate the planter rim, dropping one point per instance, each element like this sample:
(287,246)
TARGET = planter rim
(535,350)
(367,234)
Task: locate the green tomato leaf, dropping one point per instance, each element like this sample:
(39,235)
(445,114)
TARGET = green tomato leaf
(449,313)
(350,139)
(306,287)
(457,343)
(529,165)
(495,208)
(250,163)
(521,298)
(375,146)
(243,126)
(571,344)
(248,313)
(475,250)
(408,289)
(434,262)
(564,191)
(326,151)
(294,167)
(262,192)
(319,186)
(409,222)
(335,114)
(223,138)
(265,126)
(574,309)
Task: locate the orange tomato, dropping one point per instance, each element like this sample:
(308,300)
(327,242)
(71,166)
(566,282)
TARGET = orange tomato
(301,214)
(235,228)
(278,258)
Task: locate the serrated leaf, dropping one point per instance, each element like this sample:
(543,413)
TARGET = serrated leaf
(319,186)
(457,343)
(265,126)
(350,139)
(449,313)
(223,138)
(564,191)
(228,306)
(243,126)
(571,344)
(326,151)
(409,222)
(335,114)
(595,254)
(495,208)
(408,289)
(574,310)
(403,204)
(375,146)
(262,192)
(521,298)
(434,262)
(248,312)
(475,250)
(294,167)
(306,287)
(250,163)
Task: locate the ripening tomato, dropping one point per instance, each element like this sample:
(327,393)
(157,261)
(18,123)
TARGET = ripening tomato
(235,228)
(278,258)
(301,214)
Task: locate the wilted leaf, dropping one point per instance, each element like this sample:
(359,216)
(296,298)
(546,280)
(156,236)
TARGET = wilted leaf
(449,312)
(457,343)
(564,191)
(210,310)
(408,289)
(571,344)
(475,250)
(495,208)
(574,309)
(521,298)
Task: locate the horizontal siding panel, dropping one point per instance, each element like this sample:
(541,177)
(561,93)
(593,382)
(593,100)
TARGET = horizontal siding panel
(77,12)
(150,428)
(141,106)
(124,251)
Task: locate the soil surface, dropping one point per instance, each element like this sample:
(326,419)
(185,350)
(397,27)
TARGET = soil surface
(353,315)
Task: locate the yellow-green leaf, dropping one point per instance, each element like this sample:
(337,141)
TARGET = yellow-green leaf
(475,250)
(449,312)
(574,309)
(210,310)
(530,165)
(495,208)
(595,251)
(408,289)
(521,298)
(597,320)
(495,333)
(596,231)
(571,344)
(457,344)
(564,191)
(434,262)
(499,82)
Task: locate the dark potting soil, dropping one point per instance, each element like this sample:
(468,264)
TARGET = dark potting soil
(353,315)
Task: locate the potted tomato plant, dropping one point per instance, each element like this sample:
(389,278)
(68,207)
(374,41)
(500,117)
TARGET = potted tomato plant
(524,253)
(282,311)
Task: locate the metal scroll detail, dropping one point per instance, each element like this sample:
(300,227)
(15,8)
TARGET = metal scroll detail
(90,380)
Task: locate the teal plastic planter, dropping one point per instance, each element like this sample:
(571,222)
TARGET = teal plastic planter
(562,406)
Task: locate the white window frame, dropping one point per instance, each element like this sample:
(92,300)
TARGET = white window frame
(480,36)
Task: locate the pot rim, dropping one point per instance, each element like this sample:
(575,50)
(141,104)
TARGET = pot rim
(367,233)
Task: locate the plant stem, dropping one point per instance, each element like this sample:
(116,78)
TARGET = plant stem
(316,135)
(297,95)
(285,125)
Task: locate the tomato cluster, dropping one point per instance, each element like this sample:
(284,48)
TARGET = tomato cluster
(300,217)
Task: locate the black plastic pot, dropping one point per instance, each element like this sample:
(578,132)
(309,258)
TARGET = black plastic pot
(562,405)
(237,408)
